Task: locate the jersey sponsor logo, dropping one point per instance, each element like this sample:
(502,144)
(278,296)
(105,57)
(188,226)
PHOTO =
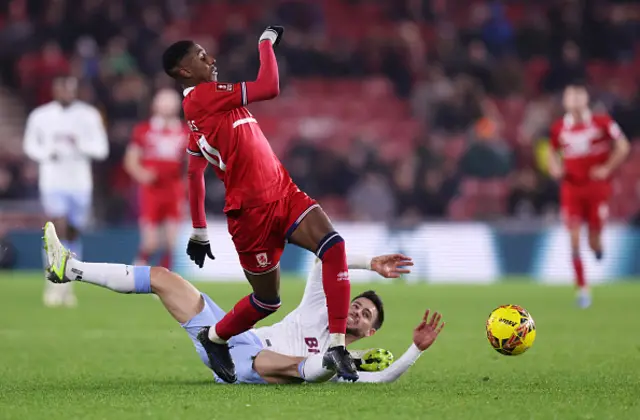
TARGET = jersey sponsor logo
(343,276)
(263,260)
(312,344)
(224,87)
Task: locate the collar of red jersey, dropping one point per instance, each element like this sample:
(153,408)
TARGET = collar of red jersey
(570,121)
(187,90)
(158,123)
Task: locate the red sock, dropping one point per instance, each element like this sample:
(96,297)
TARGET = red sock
(335,281)
(244,316)
(579,269)
(166,260)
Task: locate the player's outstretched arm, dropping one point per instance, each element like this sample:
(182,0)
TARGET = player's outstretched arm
(267,84)
(424,336)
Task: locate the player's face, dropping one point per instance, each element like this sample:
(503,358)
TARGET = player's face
(362,314)
(65,90)
(200,66)
(166,104)
(575,99)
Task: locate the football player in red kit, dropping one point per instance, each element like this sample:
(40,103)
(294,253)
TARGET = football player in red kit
(591,147)
(155,159)
(264,208)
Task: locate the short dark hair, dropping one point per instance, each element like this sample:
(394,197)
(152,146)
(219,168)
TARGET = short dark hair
(377,302)
(577,83)
(174,54)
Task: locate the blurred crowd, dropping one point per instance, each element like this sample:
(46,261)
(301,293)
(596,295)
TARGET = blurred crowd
(481,78)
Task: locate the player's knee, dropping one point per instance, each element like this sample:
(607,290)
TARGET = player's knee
(331,241)
(265,305)
(161,278)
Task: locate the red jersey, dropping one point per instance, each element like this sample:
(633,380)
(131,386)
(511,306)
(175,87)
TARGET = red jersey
(584,145)
(162,149)
(230,139)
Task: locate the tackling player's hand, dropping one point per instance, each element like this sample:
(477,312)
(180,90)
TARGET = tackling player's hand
(391,266)
(600,172)
(198,247)
(273,34)
(426,333)
(372,360)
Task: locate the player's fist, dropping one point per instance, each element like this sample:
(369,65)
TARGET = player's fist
(372,360)
(272,34)
(198,247)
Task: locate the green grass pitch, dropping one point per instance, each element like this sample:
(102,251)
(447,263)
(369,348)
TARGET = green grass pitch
(122,357)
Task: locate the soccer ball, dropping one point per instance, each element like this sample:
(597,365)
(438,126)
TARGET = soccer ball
(511,330)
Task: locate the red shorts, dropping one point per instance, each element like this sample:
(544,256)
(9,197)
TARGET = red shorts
(260,233)
(158,206)
(587,203)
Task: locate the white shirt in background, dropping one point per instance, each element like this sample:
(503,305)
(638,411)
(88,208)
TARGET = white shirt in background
(64,140)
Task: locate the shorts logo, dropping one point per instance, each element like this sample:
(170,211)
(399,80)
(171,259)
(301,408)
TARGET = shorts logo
(263,260)
(224,87)
(343,276)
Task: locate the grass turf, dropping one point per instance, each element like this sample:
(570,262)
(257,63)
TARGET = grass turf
(122,356)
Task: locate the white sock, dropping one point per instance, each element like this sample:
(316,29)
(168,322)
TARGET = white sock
(311,369)
(213,336)
(336,340)
(117,277)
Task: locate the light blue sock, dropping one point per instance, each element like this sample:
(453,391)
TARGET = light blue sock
(142,279)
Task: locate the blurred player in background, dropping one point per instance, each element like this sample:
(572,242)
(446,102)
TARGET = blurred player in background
(155,160)
(63,136)
(591,147)
(264,208)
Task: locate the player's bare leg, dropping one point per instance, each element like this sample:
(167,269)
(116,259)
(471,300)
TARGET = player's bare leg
(595,243)
(149,240)
(264,301)
(59,294)
(171,233)
(276,368)
(316,234)
(584,295)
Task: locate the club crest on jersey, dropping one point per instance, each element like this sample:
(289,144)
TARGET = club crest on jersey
(224,87)
(263,260)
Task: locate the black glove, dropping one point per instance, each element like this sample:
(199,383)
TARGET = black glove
(198,247)
(273,34)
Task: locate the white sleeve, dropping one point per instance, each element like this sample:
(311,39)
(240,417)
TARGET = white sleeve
(314,291)
(358,262)
(94,143)
(34,143)
(394,371)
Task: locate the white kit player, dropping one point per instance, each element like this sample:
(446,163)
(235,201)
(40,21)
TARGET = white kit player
(63,136)
(290,351)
